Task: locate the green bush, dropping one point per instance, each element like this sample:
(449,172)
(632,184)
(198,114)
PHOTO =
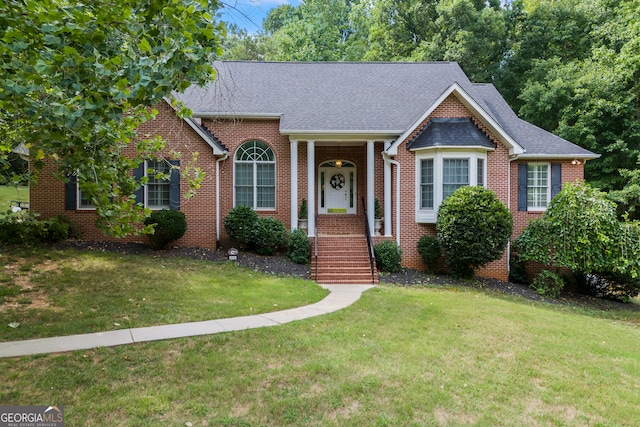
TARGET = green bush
(388,256)
(429,250)
(615,286)
(548,284)
(169,225)
(299,251)
(517,271)
(473,229)
(26,229)
(268,235)
(239,223)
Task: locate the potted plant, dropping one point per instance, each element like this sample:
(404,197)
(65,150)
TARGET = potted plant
(303,221)
(377,217)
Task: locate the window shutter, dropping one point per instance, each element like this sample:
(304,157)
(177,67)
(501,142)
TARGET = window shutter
(71,193)
(138,173)
(522,186)
(174,186)
(556,179)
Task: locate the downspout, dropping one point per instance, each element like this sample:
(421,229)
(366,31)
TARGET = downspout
(221,159)
(387,158)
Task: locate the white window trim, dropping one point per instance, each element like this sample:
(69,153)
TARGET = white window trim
(146,189)
(79,200)
(255,178)
(539,208)
(429,216)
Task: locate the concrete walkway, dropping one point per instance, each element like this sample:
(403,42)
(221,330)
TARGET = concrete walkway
(341,296)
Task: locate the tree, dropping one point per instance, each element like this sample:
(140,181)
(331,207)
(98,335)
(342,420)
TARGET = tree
(473,229)
(79,78)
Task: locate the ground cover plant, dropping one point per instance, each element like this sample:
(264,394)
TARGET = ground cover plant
(399,356)
(63,292)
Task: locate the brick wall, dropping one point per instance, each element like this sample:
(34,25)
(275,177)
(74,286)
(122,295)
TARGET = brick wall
(47,197)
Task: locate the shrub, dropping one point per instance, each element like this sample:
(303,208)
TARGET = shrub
(268,235)
(473,229)
(517,271)
(74,232)
(388,256)
(429,250)
(169,225)
(26,229)
(239,223)
(548,284)
(615,286)
(299,251)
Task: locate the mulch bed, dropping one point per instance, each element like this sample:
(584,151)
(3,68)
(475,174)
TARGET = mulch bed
(281,265)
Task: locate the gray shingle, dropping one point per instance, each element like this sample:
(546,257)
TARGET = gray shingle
(350,97)
(454,132)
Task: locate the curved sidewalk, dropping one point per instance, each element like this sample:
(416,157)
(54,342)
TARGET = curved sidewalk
(340,296)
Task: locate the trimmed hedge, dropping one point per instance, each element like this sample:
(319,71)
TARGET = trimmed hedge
(388,256)
(169,225)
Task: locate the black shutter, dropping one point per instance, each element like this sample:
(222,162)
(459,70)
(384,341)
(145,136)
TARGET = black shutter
(556,179)
(174,186)
(71,193)
(522,186)
(138,173)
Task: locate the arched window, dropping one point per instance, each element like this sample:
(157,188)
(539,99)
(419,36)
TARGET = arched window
(255,176)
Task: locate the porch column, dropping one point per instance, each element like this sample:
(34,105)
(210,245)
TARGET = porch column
(294,185)
(311,187)
(387,194)
(370,185)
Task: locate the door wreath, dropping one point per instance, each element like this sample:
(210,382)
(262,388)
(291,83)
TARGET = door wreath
(337,181)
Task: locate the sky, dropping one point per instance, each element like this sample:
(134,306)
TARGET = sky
(248,14)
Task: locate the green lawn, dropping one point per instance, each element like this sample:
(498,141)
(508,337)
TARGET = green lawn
(436,356)
(9,193)
(65,292)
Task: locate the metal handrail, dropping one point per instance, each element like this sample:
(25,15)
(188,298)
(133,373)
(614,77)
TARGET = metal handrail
(315,241)
(367,232)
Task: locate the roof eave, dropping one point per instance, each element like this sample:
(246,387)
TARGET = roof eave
(236,116)
(580,156)
(455,147)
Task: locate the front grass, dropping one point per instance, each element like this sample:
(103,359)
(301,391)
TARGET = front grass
(65,292)
(397,357)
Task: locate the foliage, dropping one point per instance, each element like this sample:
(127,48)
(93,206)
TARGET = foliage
(299,250)
(239,223)
(548,284)
(473,229)
(74,232)
(377,211)
(577,231)
(388,256)
(429,250)
(26,229)
(268,235)
(609,285)
(580,231)
(82,76)
(303,213)
(517,271)
(168,226)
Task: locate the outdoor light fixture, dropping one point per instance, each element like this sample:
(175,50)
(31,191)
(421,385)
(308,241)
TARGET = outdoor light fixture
(338,163)
(576,162)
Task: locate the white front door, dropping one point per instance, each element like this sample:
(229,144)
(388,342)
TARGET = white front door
(337,189)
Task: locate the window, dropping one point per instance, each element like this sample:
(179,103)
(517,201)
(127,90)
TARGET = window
(440,173)
(455,174)
(255,176)
(157,188)
(426,184)
(538,186)
(538,183)
(83,201)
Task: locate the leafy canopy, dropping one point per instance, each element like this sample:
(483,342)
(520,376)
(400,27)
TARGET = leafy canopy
(79,78)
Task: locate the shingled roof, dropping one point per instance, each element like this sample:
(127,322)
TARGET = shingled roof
(368,98)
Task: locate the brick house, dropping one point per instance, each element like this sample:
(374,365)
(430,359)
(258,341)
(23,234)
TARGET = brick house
(341,135)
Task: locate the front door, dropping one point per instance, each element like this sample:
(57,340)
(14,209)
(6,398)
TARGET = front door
(337,188)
